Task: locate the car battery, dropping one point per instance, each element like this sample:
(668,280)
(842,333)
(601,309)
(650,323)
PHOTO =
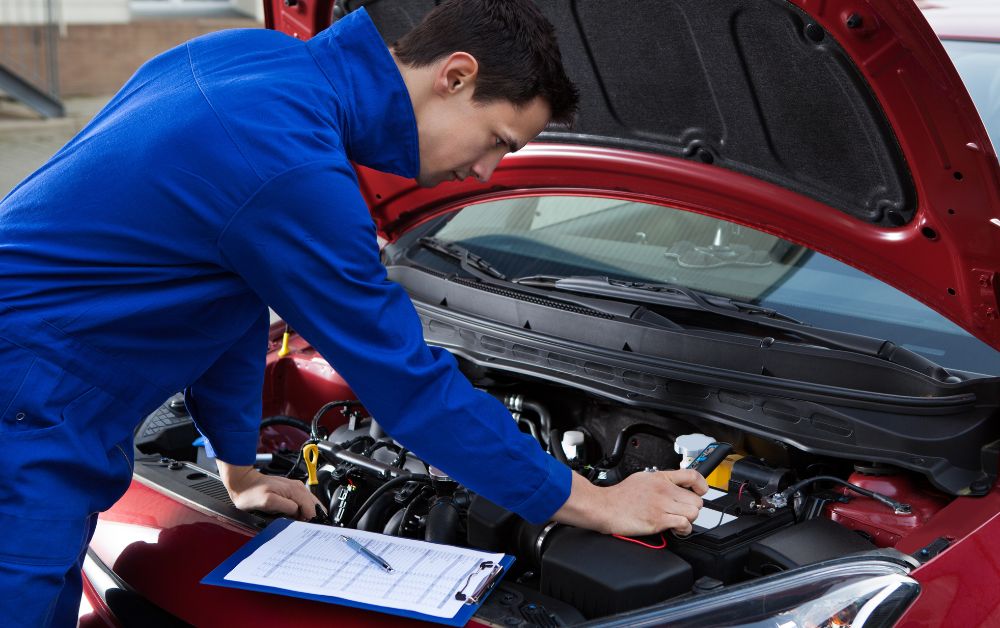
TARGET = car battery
(722,549)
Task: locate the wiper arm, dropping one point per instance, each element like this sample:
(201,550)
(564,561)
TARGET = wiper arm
(669,294)
(467,258)
(672,295)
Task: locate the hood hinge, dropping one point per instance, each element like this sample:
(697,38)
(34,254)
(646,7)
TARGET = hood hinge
(989,308)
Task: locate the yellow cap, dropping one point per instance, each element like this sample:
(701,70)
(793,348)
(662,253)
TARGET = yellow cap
(720,477)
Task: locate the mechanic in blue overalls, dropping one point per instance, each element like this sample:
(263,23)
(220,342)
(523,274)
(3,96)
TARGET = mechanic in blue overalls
(139,259)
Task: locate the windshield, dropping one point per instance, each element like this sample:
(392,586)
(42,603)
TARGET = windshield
(572,235)
(978,63)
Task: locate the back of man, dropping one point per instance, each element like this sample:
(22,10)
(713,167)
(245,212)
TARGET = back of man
(114,292)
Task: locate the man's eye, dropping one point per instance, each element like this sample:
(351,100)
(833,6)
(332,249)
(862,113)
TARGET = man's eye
(499,142)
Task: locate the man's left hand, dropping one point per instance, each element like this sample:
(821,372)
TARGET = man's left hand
(252,490)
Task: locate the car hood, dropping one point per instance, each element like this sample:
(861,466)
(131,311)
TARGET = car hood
(844,119)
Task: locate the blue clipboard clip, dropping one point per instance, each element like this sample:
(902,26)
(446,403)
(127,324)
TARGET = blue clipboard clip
(487,584)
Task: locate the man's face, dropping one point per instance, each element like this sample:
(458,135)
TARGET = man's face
(461,138)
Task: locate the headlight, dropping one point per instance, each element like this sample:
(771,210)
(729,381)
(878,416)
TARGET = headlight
(857,592)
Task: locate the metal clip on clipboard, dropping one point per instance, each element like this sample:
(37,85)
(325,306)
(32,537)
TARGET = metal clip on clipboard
(484,587)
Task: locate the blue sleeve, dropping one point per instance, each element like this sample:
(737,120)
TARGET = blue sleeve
(307,245)
(225,402)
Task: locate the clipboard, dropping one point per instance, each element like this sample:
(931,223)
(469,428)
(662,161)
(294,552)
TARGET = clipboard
(473,598)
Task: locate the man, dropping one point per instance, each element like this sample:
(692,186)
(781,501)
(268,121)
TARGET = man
(139,259)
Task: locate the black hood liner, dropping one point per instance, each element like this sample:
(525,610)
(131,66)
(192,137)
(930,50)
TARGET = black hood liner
(753,86)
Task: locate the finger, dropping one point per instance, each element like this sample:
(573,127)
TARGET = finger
(685,510)
(309,505)
(684,496)
(279,504)
(690,479)
(677,523)
(307,513)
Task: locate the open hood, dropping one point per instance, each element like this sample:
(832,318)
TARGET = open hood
(838,124)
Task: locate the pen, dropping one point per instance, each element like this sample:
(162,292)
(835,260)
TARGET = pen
(367,553)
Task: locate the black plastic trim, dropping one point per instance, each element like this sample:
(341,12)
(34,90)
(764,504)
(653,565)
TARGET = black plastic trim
(946,446)
(189,483)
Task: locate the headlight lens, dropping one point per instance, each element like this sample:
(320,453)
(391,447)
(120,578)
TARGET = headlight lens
(869,593)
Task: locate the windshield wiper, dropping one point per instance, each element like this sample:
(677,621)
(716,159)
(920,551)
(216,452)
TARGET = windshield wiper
(467,258)
(667,293)
(673,295)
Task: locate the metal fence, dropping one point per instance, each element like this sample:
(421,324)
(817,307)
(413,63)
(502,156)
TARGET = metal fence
(28,54)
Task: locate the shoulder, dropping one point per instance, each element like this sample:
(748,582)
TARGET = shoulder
(268,93)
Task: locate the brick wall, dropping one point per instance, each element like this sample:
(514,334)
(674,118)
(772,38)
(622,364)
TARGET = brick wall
(96,59)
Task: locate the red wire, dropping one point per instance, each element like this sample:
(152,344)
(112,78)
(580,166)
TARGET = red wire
(739,494)
(638,542)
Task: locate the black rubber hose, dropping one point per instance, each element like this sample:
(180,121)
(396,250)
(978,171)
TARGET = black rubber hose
(532,429)
(882,499)
(326,408)
(421,498)
(391,484)
(442,523)
(289,421)
(379,445)
(298,461)
(544,418)
(400,458)
(621,443)
(555,437)
(351,444)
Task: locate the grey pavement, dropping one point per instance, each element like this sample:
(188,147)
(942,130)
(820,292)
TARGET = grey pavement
(27,140)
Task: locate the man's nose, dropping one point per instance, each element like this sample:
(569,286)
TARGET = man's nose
(483,169)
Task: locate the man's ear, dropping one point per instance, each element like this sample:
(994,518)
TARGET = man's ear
(457,73)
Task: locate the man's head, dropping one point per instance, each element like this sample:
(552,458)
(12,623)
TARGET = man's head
(485,77)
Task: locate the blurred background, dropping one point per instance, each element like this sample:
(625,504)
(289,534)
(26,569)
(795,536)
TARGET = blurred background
(61,60)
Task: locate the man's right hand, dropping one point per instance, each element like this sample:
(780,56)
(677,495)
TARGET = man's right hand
(643,503)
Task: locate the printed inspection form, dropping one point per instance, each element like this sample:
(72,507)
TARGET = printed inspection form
(306,558)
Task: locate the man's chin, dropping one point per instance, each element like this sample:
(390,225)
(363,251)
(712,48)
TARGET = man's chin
(428,181)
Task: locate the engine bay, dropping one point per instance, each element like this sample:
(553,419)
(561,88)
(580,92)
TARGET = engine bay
(770,508)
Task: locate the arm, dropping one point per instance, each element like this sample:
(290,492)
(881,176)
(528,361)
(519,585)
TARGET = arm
(307,245)
(225,403)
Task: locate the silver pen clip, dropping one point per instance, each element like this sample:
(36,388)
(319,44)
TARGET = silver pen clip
(484,586)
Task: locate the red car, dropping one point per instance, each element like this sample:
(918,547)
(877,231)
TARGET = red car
(776,224)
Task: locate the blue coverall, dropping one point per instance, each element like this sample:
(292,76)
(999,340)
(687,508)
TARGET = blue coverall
(138,262)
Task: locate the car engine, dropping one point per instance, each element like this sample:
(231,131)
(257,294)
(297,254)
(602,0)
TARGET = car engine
(771,508)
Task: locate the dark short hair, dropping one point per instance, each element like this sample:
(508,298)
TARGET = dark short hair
(514,44)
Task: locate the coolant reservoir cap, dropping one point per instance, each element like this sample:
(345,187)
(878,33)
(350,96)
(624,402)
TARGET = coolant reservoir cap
(571,442)
(689,445)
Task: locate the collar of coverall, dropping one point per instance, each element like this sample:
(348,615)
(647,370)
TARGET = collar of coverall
(378,126)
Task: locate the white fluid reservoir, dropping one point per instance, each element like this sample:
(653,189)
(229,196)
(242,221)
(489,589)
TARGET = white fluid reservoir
(690,445)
